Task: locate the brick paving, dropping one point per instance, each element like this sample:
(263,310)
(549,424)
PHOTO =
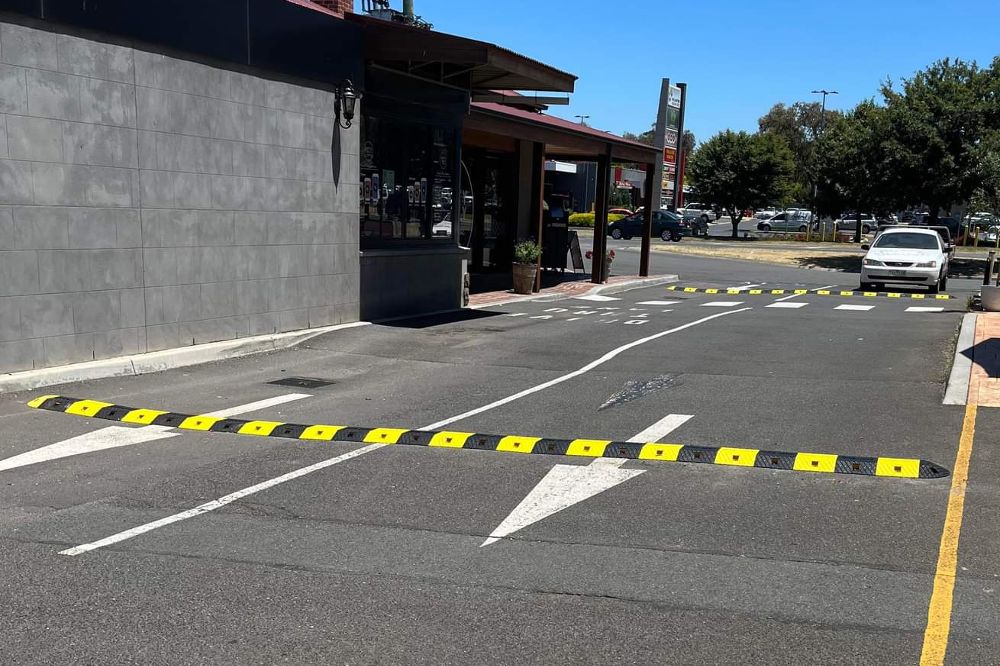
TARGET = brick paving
(984,383)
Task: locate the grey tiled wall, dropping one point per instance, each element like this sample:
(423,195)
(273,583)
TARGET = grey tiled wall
(150,202)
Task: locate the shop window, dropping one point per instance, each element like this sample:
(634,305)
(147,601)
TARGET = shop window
(407,172)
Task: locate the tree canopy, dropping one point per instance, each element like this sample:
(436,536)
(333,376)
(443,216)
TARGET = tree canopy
(738,170)
(800,125)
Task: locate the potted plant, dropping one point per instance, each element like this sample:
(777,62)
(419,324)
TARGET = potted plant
(526,254)
(607,260)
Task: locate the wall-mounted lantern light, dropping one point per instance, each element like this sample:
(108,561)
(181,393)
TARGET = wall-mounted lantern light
(346,103)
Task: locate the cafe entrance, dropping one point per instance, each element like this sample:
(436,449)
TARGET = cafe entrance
(488,220)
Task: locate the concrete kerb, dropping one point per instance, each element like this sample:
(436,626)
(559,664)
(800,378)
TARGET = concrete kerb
(141,364)
(599,289)
(957,391)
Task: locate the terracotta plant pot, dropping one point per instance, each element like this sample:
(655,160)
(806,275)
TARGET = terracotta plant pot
(524,278)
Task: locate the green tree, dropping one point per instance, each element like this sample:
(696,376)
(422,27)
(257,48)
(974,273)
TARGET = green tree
(856,172)
(940,120)
(800,125)
(738,170)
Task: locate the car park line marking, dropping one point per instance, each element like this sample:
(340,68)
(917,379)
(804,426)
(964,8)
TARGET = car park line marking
(798,292)
(216,503)
(327,433)
(859,308)
(910,468)
(566,485)
(114,437)
(584,369)
(596,297)
(789,306)
(923,309)
(721,304)
(657,302)
(939,609)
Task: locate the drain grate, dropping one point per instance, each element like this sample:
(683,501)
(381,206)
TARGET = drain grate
(302,382)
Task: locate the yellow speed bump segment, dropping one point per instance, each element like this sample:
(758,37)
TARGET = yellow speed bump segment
(801,292)
(901,468)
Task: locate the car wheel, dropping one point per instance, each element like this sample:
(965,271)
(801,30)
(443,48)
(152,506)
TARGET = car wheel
(866,229)
(934,288)
(765,227)
(802,229)
(665,235)
(866,286)
(616,234)
(675,237)
(943,284)
(705,220)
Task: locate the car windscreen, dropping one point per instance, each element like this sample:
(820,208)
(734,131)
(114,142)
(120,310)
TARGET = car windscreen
(670,215)
(908,241)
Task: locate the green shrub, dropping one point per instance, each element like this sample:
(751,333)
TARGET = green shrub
(527,252)
(587,219)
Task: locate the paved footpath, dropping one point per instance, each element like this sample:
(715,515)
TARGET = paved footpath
(149,538)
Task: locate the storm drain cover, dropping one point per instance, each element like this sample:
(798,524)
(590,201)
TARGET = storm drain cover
(302,382)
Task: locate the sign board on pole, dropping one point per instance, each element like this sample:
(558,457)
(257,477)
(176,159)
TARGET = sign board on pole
(670,140)
(670,156)
(674,97)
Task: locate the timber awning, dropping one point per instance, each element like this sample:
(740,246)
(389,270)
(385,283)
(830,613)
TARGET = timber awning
(562,138)
(455,61)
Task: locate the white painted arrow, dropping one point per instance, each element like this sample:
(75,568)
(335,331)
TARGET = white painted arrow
(116,436)
(566,485)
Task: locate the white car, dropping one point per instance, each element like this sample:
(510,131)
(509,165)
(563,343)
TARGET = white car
(707,212)
(906,255)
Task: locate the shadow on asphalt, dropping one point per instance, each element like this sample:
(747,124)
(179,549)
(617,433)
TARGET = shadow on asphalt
(960,267)
(442,319)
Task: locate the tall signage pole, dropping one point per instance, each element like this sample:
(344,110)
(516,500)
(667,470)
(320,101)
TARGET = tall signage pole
(659,139)
(679,147)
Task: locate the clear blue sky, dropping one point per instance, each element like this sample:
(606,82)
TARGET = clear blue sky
(738,57)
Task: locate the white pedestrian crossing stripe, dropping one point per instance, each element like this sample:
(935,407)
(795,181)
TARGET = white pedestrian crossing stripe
(787,305)
(721,304)
(859,308)
(924,309)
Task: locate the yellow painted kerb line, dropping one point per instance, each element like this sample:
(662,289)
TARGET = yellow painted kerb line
(939,611)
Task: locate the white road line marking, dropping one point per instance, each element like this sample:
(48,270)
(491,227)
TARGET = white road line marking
(566,485)
(667,310)
(114,437)
(607,321)
(856,308)
(573,318)
(721,304)
(786,298)
(636,322)
(586,368)
(596,297)
(585,312)
(227,499)
(515,314)
(789,306)
(917,308)
(661,428)
(541,317)
(216,503)
(657,302)
(749,286)
(829,286)
(557,310)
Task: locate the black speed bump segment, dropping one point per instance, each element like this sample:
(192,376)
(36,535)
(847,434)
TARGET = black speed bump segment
(903,468)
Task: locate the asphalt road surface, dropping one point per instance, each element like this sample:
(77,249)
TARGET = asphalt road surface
(128,544)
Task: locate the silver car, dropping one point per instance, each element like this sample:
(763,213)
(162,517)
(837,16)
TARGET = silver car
(787,221)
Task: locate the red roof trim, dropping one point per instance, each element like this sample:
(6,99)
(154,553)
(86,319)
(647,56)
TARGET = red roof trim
(312,5)
(560,123)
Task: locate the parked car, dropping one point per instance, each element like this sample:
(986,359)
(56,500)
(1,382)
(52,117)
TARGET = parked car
(621,211)
(907,255)
(666,225)
(705,211)
(848,223)
(694,222)
(787,221)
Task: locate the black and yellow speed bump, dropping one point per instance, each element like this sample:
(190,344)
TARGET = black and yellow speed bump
(803,292)
(906,468)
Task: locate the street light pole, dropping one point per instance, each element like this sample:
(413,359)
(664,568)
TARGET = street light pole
(822,126)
